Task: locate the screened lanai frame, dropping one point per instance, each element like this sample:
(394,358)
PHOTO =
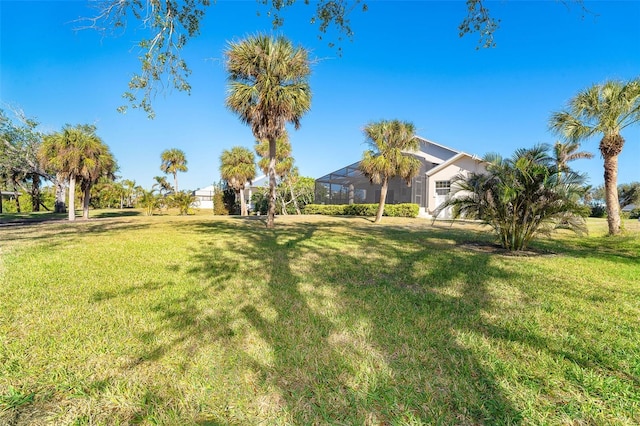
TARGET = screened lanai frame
(349,186)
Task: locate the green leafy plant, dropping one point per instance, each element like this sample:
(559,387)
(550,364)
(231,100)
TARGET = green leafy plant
(183,201)
(520,197)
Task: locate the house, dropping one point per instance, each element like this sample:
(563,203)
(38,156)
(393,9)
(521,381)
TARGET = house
(429,189)
(204,196)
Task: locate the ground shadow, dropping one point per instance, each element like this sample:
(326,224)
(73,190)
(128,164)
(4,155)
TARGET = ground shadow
(409,365)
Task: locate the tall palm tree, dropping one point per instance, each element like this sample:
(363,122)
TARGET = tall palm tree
(568,151)
(98,162)
(520,197)
(238,167)
(604,109)
(71,154)
(173,161)
(268,88)
(390,141)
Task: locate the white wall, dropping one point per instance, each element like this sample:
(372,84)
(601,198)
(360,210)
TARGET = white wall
(463,165)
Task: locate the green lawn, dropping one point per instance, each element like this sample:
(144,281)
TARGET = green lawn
(212,321)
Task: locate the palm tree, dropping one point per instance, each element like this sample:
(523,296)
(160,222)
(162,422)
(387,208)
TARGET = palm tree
(97,162)
(71,153)
(520,197)
(238,167)
(565,152)
(604,109)
(162,186)
(390,141)
(173,161)
(268,88)
(129,191)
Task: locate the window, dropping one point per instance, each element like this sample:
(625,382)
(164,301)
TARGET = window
(443,187)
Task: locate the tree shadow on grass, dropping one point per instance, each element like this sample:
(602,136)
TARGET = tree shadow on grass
(620,248)
(361,330)
(116,213)
(63,231)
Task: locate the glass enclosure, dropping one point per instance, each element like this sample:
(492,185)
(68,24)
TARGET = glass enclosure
(349,186)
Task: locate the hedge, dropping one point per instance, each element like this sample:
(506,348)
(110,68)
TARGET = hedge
(395,210)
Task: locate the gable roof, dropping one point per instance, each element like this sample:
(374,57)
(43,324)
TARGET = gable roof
(450,161)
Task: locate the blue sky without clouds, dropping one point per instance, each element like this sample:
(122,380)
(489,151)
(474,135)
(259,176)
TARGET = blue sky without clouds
(406,62)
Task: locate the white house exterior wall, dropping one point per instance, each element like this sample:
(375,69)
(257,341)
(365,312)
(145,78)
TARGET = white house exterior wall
(464,165)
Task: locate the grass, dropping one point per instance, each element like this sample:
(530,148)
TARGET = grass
(212,321)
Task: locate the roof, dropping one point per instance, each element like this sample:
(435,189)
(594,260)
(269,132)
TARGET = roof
(628,207)
(429,151)
(450,161)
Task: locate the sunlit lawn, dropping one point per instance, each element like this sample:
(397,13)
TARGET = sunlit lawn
(202,320)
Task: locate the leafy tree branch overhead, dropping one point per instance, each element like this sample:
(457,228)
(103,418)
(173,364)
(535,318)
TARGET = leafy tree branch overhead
(170,24)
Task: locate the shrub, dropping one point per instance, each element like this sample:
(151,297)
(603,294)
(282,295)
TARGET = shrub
(360,209)
(520,197)
(402,210)
(598,210)
(219,207)
(393,210)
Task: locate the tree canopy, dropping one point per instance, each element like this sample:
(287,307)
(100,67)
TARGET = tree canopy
(605,110)
(174,160)
(169,25)
(77,153)
(19,165)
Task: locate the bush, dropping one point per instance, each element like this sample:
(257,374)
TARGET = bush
(402,210)
(635,213)
(361,209)
(219,207)
(598,210)
(393,210)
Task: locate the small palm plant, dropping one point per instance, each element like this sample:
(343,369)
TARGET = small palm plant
(183,201)
(520,197)
(149,201)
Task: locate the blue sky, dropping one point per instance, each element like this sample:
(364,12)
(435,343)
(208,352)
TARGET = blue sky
(406,61)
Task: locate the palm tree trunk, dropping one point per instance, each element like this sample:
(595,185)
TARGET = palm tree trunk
(383,197)
(293,198)
(243,204)
(59,204)
(85,201)
(175,182)
(36,198)
(611,193)
(17,195)
(72,196)
(271,213)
